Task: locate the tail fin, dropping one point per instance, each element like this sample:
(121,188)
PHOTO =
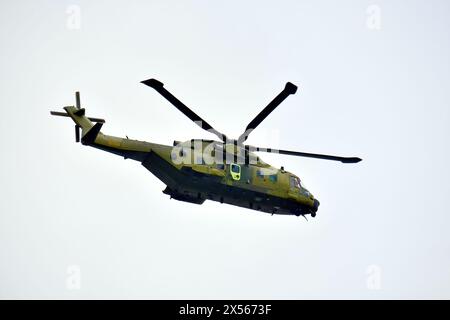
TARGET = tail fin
(89,131)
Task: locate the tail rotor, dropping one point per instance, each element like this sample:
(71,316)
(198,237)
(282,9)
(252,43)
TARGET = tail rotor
(77,127)
(78,116)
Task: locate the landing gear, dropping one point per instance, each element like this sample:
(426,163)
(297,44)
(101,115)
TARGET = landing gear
(303,211)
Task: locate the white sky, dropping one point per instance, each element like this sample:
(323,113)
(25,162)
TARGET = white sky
(382,227)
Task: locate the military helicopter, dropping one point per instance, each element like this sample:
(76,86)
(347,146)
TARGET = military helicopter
(227,171)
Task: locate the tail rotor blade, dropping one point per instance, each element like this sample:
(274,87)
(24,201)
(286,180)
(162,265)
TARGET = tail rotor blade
(77,133)
(78,106)
(77,100)
(64,114)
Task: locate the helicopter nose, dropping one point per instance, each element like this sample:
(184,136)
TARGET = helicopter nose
(316,205)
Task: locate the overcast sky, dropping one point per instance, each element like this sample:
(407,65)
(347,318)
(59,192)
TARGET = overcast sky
(374,82)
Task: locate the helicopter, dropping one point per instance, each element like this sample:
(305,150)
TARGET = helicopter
(225,170)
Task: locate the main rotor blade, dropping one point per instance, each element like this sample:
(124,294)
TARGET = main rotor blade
(308,155)
(159,86)
(289,89)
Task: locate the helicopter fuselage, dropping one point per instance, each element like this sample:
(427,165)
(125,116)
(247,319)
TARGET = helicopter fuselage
(254,186)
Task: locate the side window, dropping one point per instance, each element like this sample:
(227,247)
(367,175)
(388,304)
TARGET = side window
(235,171)
(271,177)
(259,174)
(220,166)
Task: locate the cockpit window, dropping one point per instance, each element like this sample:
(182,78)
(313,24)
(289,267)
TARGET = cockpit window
(295,182)
(302,184)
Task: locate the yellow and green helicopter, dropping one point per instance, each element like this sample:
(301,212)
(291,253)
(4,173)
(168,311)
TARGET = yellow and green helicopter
(227,171)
